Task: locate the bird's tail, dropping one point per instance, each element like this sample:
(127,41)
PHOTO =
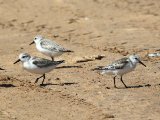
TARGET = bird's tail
(100,69)
(59,62)
(68,51)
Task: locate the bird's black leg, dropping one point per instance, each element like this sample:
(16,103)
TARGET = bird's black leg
(114,78)
(43,79)
(123,82)
(52,58)
(38,79)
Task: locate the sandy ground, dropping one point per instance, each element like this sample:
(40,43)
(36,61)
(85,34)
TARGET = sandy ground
(113,28)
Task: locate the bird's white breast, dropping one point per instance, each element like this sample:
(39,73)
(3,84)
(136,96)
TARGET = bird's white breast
(30,67)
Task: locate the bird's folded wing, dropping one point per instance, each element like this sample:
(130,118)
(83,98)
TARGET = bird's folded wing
(118,64)
(41,62)
(51,45)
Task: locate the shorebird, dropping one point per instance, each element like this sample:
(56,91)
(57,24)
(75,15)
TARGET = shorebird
(48,47)
(121,67)
(37,65)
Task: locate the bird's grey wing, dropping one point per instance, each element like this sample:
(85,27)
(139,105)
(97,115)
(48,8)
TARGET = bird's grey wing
(121,63)
(51,45)
(41,62)
(118,64)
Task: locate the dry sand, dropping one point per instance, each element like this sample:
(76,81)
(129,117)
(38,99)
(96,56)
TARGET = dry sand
(114,28)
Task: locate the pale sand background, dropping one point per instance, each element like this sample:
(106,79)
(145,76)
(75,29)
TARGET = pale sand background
(113,28)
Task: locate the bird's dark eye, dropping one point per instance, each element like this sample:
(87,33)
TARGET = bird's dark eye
(23,56)
(35,38)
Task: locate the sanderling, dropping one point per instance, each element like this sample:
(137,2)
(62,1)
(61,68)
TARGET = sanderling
(154,55)
(37,65)
(48,47)
(121,67)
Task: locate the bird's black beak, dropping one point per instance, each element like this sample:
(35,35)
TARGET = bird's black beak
(142,63)
(17,61)
(31,43)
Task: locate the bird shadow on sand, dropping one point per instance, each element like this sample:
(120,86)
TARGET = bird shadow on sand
(61,84)
(7,85)
(68,83)
(68,67)
(135,86)
(47,84)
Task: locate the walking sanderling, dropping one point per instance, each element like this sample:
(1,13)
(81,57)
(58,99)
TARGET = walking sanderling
(121,67)
(48,47)
(37,65)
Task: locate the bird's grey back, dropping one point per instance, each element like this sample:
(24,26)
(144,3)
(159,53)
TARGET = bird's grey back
(51,45)
(41,62)
(118,64)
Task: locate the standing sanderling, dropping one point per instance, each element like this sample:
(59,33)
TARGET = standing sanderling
(121,67)
(37,65)
(48,47)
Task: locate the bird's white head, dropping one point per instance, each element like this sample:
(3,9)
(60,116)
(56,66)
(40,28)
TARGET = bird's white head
(23,57)
(37,39)
(136,59)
